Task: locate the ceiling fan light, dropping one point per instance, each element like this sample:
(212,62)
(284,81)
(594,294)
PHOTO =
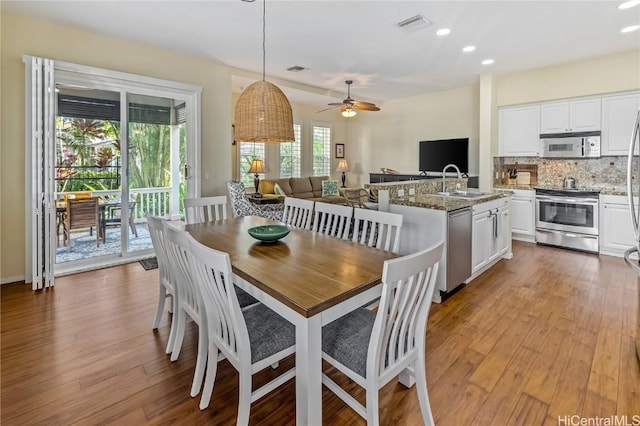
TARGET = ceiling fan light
(349,112)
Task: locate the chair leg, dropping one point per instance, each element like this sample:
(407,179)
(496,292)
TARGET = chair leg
(373,414)
(244,398)
(201,360)
(210,379)
(177,344)
(161,299)
(423,395)
(132,224)
(172,330)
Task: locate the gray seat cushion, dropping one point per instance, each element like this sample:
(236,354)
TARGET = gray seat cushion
(269,333)
(347,339)
(244,298)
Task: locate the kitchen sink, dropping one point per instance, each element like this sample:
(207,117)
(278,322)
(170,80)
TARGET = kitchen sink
(464,194)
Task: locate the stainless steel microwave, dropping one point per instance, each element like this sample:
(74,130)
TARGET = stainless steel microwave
(570,145)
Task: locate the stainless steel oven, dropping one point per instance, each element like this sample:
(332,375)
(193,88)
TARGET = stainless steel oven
(567,218)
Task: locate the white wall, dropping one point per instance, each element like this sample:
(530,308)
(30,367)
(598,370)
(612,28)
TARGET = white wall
(389,138)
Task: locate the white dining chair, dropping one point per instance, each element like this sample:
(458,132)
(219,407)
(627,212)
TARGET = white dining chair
(377,229)
(167,289)
(332,219)
(298,212)
(373,348)
(205,209)
(251,339)
(189,301)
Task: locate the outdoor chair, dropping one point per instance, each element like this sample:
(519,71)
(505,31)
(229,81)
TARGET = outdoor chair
(113,217)
(81,213)
(372,348)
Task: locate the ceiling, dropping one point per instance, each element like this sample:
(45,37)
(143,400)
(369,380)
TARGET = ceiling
(358,40)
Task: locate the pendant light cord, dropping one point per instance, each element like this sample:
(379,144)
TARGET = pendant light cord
(264,54)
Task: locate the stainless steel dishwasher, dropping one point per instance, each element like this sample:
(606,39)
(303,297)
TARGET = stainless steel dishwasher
(458,247)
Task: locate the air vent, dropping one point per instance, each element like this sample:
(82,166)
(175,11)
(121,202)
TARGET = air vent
(414,23)
(296,68)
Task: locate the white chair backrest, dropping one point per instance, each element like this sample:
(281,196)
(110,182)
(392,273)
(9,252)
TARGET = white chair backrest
(377,229)
(205,209)
(298,212)
(332,219)
(408,284)
(212,272)
(156,230)
(178,252)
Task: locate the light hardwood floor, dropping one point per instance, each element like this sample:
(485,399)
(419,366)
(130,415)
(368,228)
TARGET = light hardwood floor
(546,334)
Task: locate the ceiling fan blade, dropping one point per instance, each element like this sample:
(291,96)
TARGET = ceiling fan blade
(365,106)
(331,107)
(336,103)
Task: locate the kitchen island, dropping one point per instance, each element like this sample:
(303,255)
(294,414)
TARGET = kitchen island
(476,231)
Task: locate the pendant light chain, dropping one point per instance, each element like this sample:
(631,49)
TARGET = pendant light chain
(264,32)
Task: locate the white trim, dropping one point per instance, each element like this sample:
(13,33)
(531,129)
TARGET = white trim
(18,279)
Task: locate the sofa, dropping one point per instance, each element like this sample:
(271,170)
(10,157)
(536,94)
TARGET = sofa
(309,188)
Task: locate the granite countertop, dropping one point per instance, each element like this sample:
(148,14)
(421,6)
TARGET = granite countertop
(605,190)
(443,202)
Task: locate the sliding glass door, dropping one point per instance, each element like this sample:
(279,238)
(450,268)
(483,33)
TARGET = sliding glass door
(124,148)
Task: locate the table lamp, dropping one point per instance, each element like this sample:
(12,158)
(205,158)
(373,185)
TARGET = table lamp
(257,166)
(343,167)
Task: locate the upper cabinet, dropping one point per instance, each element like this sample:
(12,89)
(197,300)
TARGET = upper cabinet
(519,134)
(581,115)
(618,117)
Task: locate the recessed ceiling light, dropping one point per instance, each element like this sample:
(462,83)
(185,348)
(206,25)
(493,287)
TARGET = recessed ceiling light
(468,49)
(487,62)
(629,4)
(445,31)
(630,28)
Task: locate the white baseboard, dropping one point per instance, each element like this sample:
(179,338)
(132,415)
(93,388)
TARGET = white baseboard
(11,280)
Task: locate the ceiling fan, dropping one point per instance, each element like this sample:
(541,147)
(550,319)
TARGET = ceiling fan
(350,105)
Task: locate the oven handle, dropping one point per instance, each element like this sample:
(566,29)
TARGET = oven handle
(568,200)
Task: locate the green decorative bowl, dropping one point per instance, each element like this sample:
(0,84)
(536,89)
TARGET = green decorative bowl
(269,233)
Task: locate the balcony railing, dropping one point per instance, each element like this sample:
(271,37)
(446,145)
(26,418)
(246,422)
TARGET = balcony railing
(154,201)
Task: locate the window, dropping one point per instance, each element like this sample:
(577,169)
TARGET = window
(321,150)
(290,157)
(249,151)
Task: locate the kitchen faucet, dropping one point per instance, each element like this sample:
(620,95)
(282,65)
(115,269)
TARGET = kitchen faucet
(444,175)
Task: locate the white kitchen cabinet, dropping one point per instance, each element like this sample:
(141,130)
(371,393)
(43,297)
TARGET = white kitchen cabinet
(618,117)
(519,131)
(580,115)
(616,231)
(523,215)
(491,234)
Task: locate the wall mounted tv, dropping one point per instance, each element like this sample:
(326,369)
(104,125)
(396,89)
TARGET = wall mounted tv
(436,154)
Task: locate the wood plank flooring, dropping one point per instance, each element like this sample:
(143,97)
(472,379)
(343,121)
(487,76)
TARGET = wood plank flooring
(545,335)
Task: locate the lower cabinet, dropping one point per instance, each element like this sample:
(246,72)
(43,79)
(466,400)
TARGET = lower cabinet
(616,230)
(491,233)
(523,215)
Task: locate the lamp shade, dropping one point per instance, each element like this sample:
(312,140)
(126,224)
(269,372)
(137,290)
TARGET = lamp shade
(257,166)
(263,114)
(343,166)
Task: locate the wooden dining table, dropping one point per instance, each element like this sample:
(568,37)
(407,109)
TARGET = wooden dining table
(308,278)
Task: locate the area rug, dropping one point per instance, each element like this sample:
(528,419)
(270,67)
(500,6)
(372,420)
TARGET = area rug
(84,245)
(149,264)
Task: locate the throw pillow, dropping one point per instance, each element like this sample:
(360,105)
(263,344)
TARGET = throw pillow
(277,190)
(330,187)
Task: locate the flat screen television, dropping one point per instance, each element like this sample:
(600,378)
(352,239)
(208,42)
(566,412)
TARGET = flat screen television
(436,154)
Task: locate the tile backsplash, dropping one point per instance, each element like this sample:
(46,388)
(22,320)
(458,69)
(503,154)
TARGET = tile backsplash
(598,172)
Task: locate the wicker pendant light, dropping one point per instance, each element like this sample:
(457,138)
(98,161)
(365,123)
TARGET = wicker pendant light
(263,112)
